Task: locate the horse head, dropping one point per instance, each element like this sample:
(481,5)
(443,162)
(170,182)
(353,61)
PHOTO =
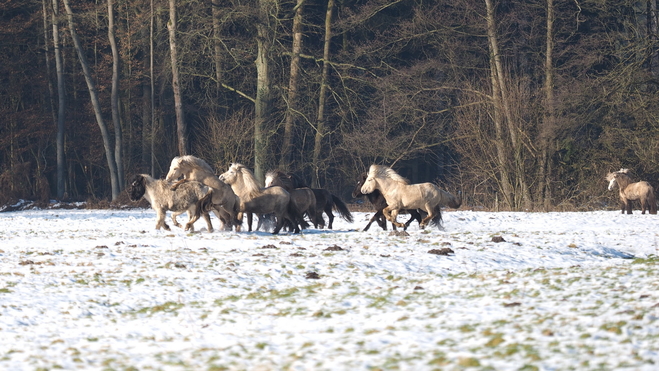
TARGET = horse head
(137,188)
(357,192)
(175,170)
(617,177)
(230,176)
(370,184)
(273,177)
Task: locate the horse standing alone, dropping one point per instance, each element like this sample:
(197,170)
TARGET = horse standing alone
(629,192)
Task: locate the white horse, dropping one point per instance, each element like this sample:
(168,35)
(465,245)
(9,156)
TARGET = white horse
(400,195)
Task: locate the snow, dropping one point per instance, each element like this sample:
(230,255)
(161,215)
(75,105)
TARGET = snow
(102,289)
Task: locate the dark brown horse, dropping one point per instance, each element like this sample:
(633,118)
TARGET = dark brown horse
(303,198)
(377,199)
(325,201)
(629,192)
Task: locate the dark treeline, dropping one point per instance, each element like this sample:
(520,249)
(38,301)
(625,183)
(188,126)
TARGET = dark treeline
(522,105)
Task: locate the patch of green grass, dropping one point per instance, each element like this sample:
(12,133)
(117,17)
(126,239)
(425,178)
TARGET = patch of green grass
(167,307)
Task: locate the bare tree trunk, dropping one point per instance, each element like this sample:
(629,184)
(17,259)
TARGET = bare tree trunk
(548,125)
(653,36)
(262,103)
(116,109)
(502,158)
(153,94)
(59,69)
(519,171)
(217,44)
(289,123)
(181,127)
(320,119)
(95,103)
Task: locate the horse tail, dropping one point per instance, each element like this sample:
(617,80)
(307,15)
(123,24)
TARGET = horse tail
(205,203)
(342,209)
(454,202)
(653,201)
(436,220)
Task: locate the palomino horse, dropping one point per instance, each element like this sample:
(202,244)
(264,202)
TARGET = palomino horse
(325,201)
(224,201)
(254,199)
(401,195)
(629,192)
(377,200)
(303,198)
(162,198)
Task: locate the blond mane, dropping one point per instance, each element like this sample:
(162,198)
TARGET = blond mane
(192,161)
(252,188)
(611,175)
(381,171)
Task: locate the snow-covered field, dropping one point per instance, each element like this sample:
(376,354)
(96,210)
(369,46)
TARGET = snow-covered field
(101,289)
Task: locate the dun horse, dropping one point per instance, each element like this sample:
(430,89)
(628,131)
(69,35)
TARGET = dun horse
(401,195)
(377,200)
(325,201)
(224,201)
(629,192)
(162,198)
(254,199)
(303,198)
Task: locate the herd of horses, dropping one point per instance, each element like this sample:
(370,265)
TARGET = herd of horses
(285,201)
(192,186)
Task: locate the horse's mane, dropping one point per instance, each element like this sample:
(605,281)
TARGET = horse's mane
(252,188)
(194,162)
(381,171)
(290,180)
(610,175)
(275,174)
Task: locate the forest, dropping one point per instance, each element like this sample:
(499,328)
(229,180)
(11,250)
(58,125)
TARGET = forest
(514,105)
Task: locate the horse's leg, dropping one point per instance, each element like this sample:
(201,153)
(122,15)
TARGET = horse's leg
(175,214)
(280,223)
(207,218)
(191,219)
(249,222)
(391,215)
(239,218)
(414,215)
(320,219)
(375,217)
(311,212)
(628,203)
(427,219)
(644,203)
(330,215)
(160,219)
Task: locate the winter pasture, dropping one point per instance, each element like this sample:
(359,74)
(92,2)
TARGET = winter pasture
(103,290)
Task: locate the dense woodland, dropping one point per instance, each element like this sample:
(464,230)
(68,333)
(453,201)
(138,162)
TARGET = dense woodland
(522,105)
